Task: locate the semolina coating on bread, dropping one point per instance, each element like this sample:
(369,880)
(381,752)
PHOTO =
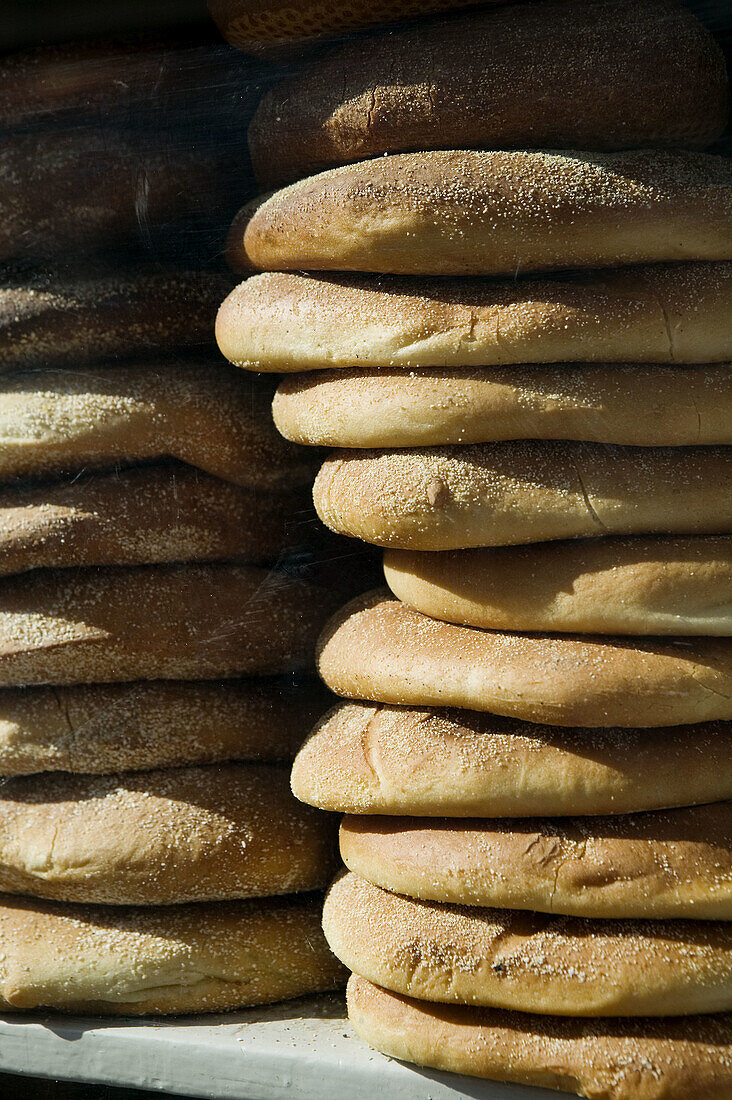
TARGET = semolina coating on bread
(170,960)
(141,515)
(104,728)
(291,322)
(557,76)
(524,491)
(667,864)
(372,758)
(170,622)
(465,212)
(601,586)
(616,1059)
(376,648)
(163,837)
(687,405)
(204,414)
(530,962)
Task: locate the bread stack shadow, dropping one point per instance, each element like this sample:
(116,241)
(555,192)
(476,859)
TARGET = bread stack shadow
(523,360)
(159,597)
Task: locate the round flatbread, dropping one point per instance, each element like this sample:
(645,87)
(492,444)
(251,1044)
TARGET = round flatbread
(104,728)
(601,586)
(161,960)
(499,494)
(162,837)
(530,962)
(667,864)
(64,316)
(179,622)
(615,1059)
(464,212)
(253,24)
(375,648)
(686,405)
(658,313)
(204,414)
(368,758)
(557,76)
(143,515)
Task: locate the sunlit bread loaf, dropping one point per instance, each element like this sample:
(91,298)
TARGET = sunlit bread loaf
(157,960)
(532,962)
(619,1059)
(666,864)
(392,407)
(371,758)
(467,212)
(501,494)
(659,313)
(229,830)
(377,649)
(601,586)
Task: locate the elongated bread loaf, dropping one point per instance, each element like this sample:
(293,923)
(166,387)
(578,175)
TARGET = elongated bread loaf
(368,758)
(250,24)
(556,76)
(660,313)
(68,316)
(375,648)
(162,837)
(391,407)
(532,962)
(144,515)
(151,622)
(601,586)
(669,864)
(500,494)
(175,959)
(205,414)
(615,1059)
(103,728)
(493,213)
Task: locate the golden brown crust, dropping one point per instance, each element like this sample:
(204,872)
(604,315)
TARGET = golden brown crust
(250,24)
(555,77)
(141,515)
(592,586)
(377,649)
(368,758)
(176,959)
(641,1059)
(61,317)
(667,864)
(162,837)
(687,405)
(531,962)
(492,213)
(138,188)
(204,414)
(659,313)
(103,728)
(500,494)
(179,622)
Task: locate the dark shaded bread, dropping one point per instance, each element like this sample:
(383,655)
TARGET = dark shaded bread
(558,75)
